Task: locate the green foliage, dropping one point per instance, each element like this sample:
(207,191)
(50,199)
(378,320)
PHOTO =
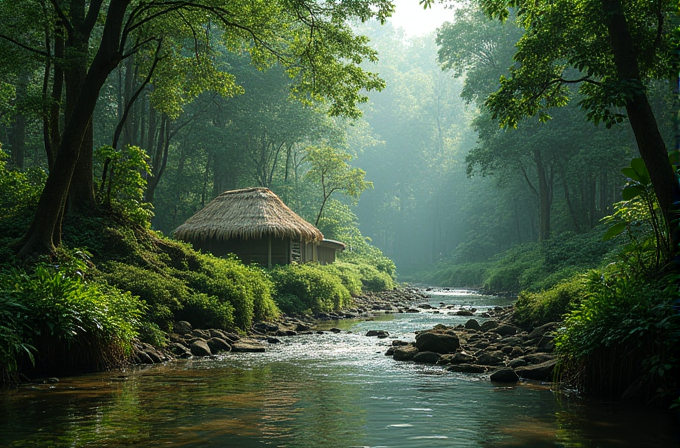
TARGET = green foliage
(13,345)
(532,266)
(533,309)
(18,189)
(68,321)
(308,288)
(180,284)
(123,185)
(163,294)
(467,275)
(639,217)
(246,288)
(349,275)
(205,311)
(624,327)
(330,169)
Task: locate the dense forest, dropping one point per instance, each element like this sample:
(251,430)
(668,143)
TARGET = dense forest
(523,147)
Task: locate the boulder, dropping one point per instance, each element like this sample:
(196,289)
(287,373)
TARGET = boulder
(546,344)
(517,362)
(302,327)
(379,333)
(399,343)
(513,341)
(516,352)
(179,350)
(463,358)
(265,327)
(182,327)
(203,334)
(424,306)
(335,330)
(488,325)
(472,324)
(543,329)
(390,351)
(218,345)
(437,342)
(505,330)
(537,358)
(404,353)
(466,368)
(247,345)
(464,313)
(427,357)
(541,372)
(493,358)
(200,348)
(273,340)
(504,376)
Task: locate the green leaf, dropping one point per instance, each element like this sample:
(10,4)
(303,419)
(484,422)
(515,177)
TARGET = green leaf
(630,173)
(631,192)
(614,231)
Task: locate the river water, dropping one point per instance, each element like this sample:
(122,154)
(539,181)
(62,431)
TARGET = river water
(330,390)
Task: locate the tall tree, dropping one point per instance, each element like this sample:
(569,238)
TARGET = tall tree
(312,39)
(612,50)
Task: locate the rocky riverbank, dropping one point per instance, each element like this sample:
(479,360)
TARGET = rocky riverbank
(495,346)
(186,341)
(488,343)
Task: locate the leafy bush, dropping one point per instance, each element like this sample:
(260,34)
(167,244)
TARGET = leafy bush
(349,275)
(624,328)
(375,280)
(162,293)
(308,288)
(123,186)
(205,311)
(246,288)
(537,308)
(71,323)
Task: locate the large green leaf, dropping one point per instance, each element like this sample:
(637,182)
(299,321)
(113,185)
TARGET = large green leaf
(614,231)
(632,191)
(631,174)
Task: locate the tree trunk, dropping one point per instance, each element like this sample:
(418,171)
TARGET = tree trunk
(18,134)
(649,140)
(41,234)
(544,197)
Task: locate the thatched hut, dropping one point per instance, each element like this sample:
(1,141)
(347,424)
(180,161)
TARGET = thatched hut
(257,226)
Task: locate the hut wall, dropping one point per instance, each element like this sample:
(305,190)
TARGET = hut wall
(326,255)
(249,251)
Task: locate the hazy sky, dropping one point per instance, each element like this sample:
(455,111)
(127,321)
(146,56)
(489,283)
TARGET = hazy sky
(417,21)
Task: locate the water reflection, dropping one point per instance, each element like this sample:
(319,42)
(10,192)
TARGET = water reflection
(331,390)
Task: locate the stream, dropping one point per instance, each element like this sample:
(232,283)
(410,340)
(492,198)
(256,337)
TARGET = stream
(328,390)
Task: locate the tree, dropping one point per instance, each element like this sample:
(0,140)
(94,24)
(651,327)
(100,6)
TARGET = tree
(612,50)
(312,39)
(329,169)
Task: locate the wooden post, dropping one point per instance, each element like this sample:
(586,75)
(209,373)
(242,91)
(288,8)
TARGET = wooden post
(269,252)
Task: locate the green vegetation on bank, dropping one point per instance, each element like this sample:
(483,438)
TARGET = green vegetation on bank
(115,280)
(613,288)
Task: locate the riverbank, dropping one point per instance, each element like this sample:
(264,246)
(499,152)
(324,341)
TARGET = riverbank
(186,341)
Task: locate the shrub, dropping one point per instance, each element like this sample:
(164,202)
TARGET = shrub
(308,288)
(73,324)
(348,274)
(204,311)
(533,309)
(623,330)
(375,280)
(247,289)
(162,293)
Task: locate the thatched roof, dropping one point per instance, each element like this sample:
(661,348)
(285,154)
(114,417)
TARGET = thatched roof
(250,213)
